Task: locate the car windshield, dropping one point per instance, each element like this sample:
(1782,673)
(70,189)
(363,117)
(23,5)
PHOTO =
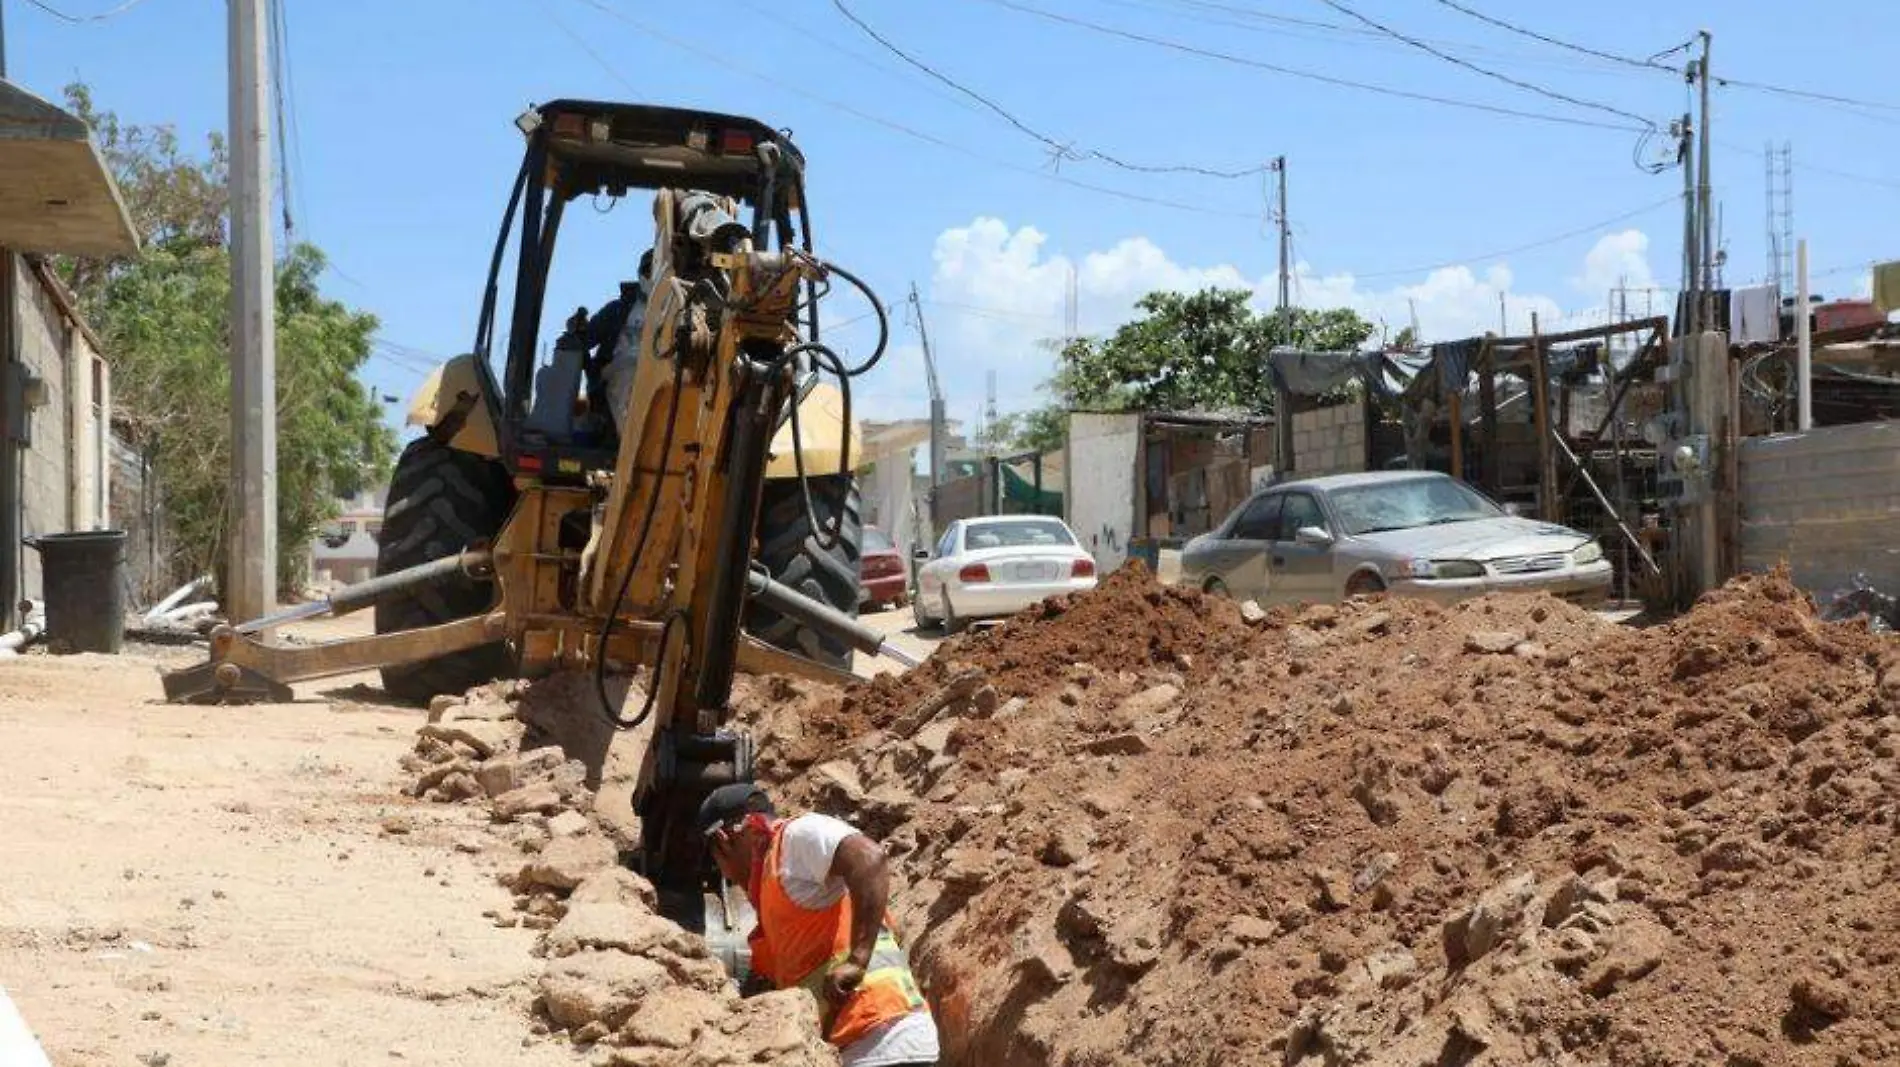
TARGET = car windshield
(875,540)
(1407,504)
(1022,533)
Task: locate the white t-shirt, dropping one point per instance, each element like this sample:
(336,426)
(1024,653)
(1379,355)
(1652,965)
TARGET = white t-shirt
(807,846)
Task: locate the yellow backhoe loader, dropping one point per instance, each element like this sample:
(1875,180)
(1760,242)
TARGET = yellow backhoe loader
(672,476)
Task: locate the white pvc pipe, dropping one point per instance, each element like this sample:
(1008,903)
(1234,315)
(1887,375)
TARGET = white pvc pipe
(1803,342)
(190,611)
(176,598)
(31,628)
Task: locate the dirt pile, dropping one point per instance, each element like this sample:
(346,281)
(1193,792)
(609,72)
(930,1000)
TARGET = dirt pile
(1144,826)
(619,979)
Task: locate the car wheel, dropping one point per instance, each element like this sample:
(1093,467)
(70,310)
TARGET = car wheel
(952,625)
(1216,587)
(924,622)
(1364,584)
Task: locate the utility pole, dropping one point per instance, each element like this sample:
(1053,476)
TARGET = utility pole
(253,577)
(1704,208)
(1504,322)
(1691,317)
(939,430)
(1283,399)
(1804,342)
(11,412)
(1286,255)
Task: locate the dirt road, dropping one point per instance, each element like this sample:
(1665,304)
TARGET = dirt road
(207,886)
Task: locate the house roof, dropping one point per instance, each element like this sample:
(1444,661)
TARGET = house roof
(58,196)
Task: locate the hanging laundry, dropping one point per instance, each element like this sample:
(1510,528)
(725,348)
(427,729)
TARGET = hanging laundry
(1754,315)
(1887,286)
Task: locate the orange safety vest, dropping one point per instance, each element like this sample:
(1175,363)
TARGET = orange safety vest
(794,947)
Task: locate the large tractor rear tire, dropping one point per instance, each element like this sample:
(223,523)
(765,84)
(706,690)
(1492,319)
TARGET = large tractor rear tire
(790,550)
(441,501)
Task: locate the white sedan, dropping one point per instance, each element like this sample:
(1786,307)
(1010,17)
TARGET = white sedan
(997,565)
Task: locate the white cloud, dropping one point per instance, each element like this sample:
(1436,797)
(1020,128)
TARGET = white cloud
(997,297)
(1617,259)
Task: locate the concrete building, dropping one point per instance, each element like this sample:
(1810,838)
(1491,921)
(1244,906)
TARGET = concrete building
(56,198)
(888,485)
(345,551)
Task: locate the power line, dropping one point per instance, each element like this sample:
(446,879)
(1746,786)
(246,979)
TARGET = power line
(1521,31)
(1059,150)
(1294,72)
(1737,83)
(721,60)
(100,17)
(1332,32)
(1531,87)
(1540,243)
(1805,94)
(794,27)
(581,43)
(1816,168)
(280,51)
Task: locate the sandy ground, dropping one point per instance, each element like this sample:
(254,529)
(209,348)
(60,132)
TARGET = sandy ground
(210,886)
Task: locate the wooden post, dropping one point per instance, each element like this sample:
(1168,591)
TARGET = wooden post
(1455,407)
(1488,415)
(1547,506)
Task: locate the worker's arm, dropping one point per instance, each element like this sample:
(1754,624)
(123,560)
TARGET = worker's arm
(861,865)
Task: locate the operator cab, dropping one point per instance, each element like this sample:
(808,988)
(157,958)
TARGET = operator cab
(553,404)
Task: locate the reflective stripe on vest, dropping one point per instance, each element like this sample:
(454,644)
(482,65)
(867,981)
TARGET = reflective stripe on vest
(805,945)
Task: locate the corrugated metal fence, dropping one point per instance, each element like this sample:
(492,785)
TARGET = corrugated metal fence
(1828,502)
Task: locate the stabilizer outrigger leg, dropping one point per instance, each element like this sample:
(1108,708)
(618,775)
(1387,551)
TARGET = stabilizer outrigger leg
(244,670)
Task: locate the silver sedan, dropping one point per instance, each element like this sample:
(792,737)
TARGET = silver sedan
(1410,532)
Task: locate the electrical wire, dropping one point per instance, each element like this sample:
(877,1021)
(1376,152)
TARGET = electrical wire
(1252,21)
(1327,79)
(1521,31)
(581,43)
(1673,198)
(1651,63)
(1059,150)
(296,131)
(100,17)
(1805,94)
(1460,61)
(792,26)
(722,60)
(279,46)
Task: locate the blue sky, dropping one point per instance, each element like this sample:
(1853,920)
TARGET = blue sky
(405,149)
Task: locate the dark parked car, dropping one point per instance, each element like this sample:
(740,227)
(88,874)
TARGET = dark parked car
(881,577)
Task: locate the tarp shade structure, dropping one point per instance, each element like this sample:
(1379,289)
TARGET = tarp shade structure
(56,196)
(1318,373)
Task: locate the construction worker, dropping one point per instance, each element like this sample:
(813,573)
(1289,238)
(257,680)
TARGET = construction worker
(820,887)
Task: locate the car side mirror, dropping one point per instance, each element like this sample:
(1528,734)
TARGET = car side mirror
(1313,537)
(921,555)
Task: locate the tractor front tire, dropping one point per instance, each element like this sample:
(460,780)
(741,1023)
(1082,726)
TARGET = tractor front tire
(441,502)
(791,551)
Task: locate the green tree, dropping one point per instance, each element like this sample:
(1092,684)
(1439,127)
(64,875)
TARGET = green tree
(164,318)
(1204,350)
(1044,429)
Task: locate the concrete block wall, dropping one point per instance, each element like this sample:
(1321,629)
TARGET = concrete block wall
(43,463)
(1329,440)
(63,470)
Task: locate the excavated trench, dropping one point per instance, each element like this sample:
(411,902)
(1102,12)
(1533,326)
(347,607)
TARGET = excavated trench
(1142,826)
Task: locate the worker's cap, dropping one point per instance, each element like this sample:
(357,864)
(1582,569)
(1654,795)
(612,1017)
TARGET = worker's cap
(729,802)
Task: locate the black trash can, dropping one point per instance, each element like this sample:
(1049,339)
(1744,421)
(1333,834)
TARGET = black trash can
(84,577)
